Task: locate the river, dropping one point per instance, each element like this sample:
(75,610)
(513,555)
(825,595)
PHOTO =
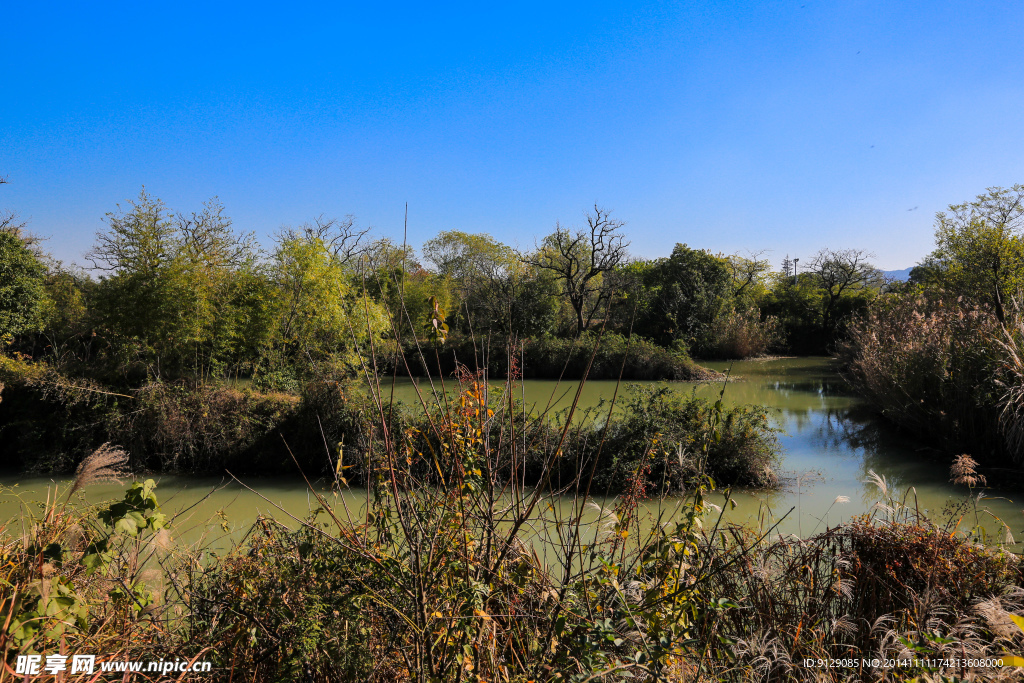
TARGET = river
(830,442)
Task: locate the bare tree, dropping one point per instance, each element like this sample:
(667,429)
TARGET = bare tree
(841,271)
(578,258)
(208,238)
(341,237)
(10,222)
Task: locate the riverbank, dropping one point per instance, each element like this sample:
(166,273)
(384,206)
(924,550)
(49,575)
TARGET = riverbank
(458,583)
(480,564)
(596,356)
(50,421)
(828,443)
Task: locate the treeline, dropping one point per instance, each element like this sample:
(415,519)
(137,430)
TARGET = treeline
(194,346)
(173,295)
(942,356)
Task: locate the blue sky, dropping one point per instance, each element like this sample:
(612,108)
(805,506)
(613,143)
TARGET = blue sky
(786,126)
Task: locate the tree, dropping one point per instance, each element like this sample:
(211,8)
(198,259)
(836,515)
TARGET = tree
(578,259)
(393,276)
(980,248)
(749,274)
(466,257)
(183,289)
(214,260)
(787,266)
(321,316)
(497,290)
(475,267)
(144,293)
(342,239)
(839,273)
(65,314)
(22,276)
(685,293)
(11,223)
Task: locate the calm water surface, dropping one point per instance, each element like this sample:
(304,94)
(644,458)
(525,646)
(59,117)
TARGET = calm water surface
(830,443)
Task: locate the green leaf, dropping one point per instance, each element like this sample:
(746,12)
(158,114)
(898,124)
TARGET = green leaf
(126,525)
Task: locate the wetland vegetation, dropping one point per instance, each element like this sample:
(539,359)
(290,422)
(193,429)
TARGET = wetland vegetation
(507,536)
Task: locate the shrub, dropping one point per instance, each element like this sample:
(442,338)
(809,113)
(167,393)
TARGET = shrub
(184,427)
(483,579)
(82,579)
(661,432)
(49,422)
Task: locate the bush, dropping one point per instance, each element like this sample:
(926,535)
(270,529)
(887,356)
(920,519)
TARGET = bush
(484,579)
(182,427)
(91,580)
(660,433)
(902,589)
(48,422)
(655,442)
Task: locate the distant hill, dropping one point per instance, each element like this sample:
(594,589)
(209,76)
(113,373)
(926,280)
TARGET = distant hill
(901,275)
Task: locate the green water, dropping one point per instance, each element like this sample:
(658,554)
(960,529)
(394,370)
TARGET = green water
(830,443)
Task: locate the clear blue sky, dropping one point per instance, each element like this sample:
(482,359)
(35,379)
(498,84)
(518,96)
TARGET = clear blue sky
(726,125)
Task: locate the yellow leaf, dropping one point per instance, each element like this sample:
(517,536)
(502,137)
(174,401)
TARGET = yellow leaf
(1017,620)
(1012,660)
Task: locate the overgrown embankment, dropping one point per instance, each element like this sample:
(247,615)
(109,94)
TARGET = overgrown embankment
(595,356)
(49,422)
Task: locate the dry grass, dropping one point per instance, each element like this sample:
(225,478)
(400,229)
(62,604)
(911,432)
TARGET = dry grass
(964,472)
(107,463)
(929,367)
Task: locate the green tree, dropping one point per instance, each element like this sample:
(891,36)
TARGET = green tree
(175,287)
(749,277)
(22,293)
(220,266)
(392,275)
(497,291)
(979,250)
(814,307)
(65,314)
(144,294)
(321,315)
(683,295)
(841,275)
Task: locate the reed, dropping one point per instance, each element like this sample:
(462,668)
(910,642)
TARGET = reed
(930,366)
